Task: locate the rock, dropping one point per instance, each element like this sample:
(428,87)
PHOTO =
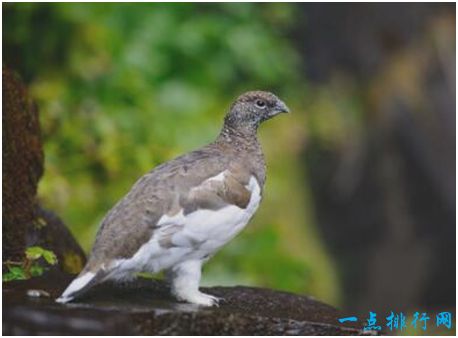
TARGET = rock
(51,233)
(25,222)
(22,164)
(145,307)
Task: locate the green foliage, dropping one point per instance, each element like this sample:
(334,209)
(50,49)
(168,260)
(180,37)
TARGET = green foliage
(123,87)
(36,252)
(14,273)
(36,270)
(29,267)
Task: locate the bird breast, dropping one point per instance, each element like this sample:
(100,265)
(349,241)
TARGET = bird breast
(196,235)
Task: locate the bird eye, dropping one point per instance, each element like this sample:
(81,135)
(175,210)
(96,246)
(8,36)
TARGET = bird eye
(260,104)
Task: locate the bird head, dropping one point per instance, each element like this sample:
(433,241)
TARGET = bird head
(252,108)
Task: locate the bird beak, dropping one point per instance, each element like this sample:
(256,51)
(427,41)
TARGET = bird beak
(281,107)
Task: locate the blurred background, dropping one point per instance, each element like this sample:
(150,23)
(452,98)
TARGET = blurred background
(359,206)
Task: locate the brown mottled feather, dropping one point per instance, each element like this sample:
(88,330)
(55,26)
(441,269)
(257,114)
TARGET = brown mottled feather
(167,190)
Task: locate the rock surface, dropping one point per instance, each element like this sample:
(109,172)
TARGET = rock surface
(22,164)
(144,307)
(25,222)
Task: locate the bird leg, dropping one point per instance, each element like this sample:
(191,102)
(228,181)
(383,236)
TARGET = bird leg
(185,278)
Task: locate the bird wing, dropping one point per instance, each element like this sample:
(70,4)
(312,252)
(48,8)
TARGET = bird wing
(199,214)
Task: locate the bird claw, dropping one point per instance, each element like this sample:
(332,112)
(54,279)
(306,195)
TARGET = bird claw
(201,298)
(216,300)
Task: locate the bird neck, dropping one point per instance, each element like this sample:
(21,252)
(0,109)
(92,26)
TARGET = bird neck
(243,138)
(243,144)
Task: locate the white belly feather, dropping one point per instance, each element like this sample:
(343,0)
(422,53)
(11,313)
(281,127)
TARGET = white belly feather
(209,228)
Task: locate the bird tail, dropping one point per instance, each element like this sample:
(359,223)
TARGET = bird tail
(81,284)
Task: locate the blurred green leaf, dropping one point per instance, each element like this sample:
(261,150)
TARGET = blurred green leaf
(35,252)
(14,273)
(50,257)
(36,270)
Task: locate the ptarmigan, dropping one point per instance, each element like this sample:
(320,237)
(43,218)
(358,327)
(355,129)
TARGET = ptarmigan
(182,212)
